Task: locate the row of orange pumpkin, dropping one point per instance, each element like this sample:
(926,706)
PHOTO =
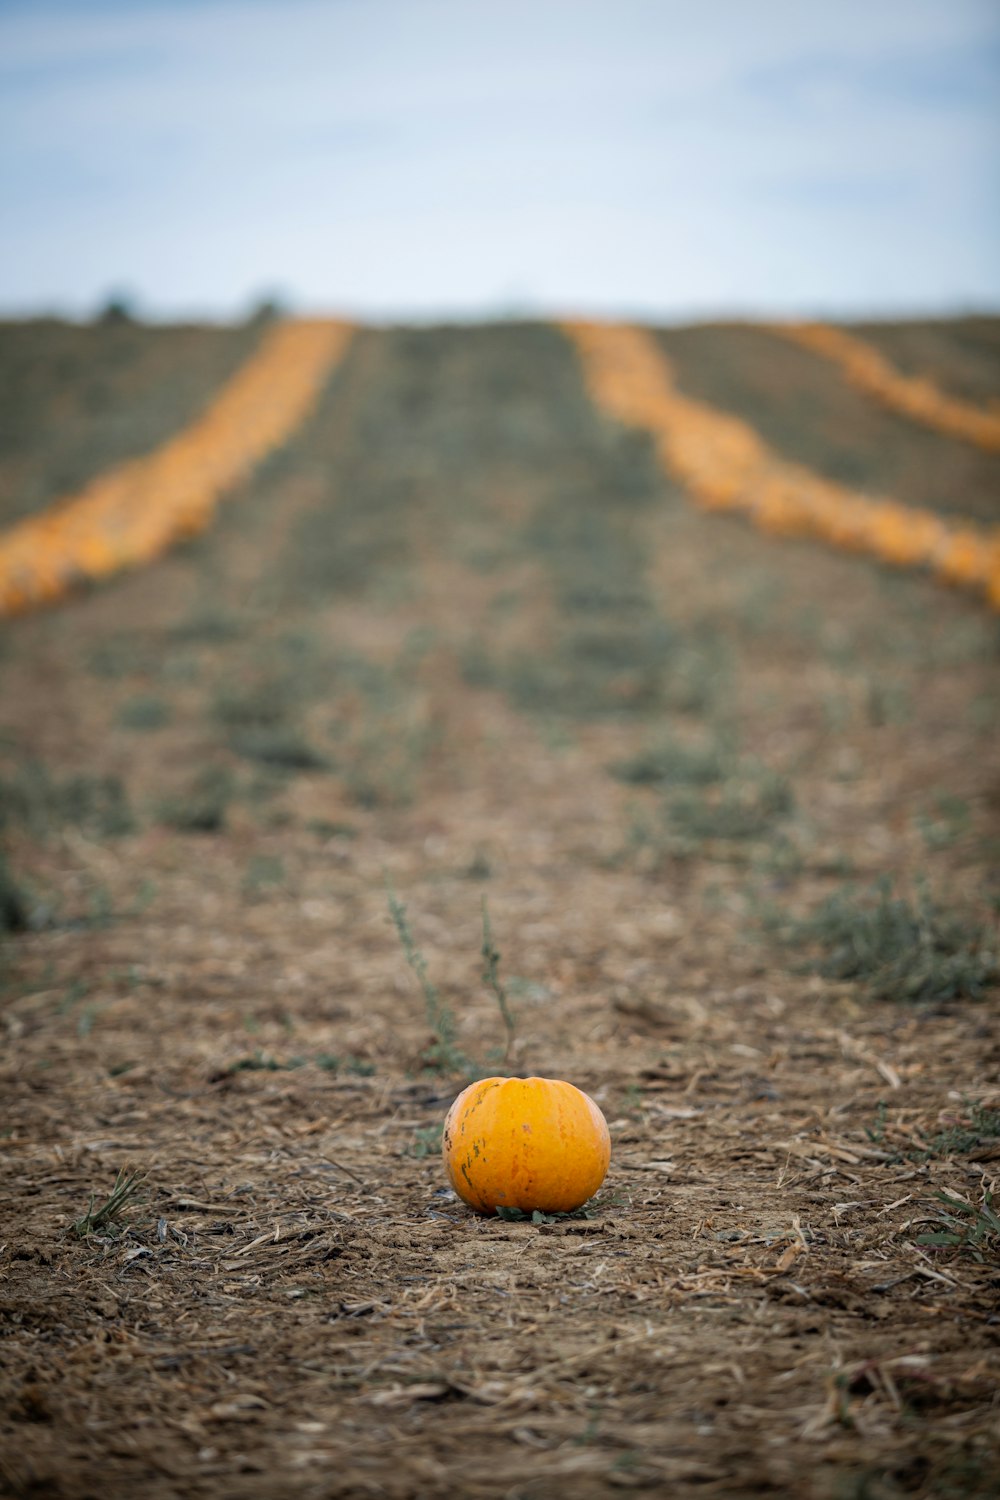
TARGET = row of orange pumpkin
(914,396)
(726,466)
(137,510)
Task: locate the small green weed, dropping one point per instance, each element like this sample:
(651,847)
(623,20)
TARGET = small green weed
(203,808)
(265,1062)
(208,625)
(108,1214)
(444,1052)
(876,1132)
(261,1062)
(144,712)
(966,1136)
(745,809)
(120,656)
(259,705)
(278,745)
(491,977)
(536,1216)
(971,1228)
(427,1141)
(665,762)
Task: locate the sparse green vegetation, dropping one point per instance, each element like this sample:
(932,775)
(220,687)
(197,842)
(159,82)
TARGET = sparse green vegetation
(203,807)
(520,1216)
(14,904)
(668,762)
(279,746)
(980,1127)
(969,1228)
(898,949)
(144,712)
(260,1061)
(117,657)
(443,1052)
(491,977)
(35,798)
(427,1141)
(209,625)
(259,705)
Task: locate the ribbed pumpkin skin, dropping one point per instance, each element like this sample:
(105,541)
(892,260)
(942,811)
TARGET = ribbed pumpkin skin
(527,1143)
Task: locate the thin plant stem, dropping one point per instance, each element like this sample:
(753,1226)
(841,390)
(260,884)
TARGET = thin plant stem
(491,977)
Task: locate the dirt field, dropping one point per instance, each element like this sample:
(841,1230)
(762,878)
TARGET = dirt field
(464,639)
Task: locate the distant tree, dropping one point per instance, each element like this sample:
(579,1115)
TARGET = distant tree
(267,308)
(119,308)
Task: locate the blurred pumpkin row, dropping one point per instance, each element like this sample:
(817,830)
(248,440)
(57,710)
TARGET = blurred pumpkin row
(912,395)
(726,466)
(137,510)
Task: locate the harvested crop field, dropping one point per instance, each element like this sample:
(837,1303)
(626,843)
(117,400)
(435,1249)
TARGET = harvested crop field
(733,804)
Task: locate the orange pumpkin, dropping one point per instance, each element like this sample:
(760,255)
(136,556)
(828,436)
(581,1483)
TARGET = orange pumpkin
(527,1143)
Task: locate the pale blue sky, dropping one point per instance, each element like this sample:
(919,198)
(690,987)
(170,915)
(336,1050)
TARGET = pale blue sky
(470,157)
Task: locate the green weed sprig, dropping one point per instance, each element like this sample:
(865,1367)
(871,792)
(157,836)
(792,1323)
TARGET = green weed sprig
(444,1052)
(491,977)
(127,1185)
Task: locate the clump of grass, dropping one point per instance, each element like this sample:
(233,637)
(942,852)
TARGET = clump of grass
(744,809)
(966,1136)
(144,712)
(203,808)
(13,900)
(444,1052)
(262,705)
(207,625)
(380,767)
(666,761)
(119,656)
(491,977)
(107,1214)
(41,802)
(278,745)
(899,950)
(971,1228)
(261,1062)
(427,1141)
(607,667)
